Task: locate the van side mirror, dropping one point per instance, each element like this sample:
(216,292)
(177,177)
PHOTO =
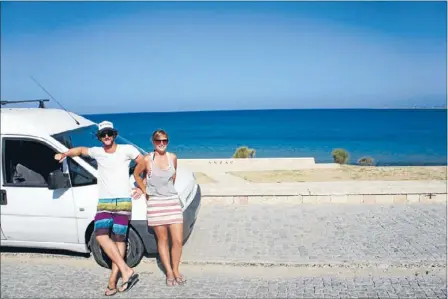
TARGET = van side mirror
(58,180)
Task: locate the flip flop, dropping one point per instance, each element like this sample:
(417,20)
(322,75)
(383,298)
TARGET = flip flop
(130,283)
(181,280)
(110,294)
(171,282)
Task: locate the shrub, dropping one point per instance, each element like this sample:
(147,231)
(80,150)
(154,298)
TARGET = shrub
(366,161)
(340,156)
(244,152)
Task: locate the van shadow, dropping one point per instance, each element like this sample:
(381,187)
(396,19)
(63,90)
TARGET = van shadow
(5,249)
(65,253)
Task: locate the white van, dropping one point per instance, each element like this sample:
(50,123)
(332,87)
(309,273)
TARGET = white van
(46,204)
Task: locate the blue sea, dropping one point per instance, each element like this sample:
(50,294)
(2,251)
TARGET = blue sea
(391,137)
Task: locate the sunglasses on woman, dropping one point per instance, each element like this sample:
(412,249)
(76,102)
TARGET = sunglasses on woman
(160,141)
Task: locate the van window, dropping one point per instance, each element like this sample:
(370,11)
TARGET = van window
(27,163)
(78,175)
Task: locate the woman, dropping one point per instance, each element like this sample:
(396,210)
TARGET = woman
(164,208)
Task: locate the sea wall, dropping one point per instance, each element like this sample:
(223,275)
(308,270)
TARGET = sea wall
(254,164)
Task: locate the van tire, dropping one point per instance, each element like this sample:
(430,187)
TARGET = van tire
(134,253)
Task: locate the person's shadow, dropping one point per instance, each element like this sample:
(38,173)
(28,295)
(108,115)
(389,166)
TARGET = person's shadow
(160,265)
(156,256)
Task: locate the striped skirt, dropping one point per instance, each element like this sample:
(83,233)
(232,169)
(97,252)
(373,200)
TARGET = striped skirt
(164,211)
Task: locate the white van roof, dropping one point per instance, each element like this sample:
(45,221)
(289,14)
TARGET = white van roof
(39,121)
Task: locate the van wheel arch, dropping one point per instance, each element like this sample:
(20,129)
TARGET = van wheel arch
(134,251)
(88,235)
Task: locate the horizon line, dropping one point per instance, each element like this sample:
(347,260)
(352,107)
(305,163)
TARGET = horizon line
(268,109)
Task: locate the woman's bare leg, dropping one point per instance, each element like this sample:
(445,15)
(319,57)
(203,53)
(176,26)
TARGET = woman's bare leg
(162,246)
(176,231)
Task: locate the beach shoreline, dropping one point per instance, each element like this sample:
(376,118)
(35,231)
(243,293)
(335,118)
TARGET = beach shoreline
(289,170)
(347,173)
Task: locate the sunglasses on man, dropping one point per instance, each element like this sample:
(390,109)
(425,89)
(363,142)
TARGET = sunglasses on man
(105,133)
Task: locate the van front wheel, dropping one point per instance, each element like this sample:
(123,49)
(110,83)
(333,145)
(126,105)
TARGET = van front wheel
(134,250)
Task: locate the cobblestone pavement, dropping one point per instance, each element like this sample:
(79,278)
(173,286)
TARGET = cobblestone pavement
(372,234)
(318,251)
(44,277)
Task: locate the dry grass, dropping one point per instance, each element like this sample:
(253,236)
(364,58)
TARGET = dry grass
(202,178)
(346,173)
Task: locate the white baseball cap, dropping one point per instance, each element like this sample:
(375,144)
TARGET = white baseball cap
(105,125)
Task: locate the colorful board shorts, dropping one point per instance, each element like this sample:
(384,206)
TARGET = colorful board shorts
(113,214)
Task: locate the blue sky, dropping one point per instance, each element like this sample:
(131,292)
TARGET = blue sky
(106,57)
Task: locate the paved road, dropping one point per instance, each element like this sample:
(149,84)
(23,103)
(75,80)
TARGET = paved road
(320,251)
(44,277)
(298,234)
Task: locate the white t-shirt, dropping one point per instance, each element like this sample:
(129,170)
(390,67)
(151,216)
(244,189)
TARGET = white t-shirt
(113,170)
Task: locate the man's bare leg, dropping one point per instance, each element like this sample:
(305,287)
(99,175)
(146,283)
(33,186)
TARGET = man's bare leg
(111,249)
(113,279)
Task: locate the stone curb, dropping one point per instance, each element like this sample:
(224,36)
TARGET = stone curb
(355,264)
(427,198)
(325,188)
(24,257)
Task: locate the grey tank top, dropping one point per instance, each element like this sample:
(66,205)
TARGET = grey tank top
(159,182)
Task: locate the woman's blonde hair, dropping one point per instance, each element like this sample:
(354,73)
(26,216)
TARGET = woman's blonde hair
(158,133)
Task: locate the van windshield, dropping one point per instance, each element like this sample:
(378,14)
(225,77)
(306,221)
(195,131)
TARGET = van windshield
(86,136)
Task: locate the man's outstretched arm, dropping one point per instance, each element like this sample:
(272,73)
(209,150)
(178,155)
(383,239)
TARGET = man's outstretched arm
(73,152)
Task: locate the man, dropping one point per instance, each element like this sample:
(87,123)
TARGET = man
(114,204)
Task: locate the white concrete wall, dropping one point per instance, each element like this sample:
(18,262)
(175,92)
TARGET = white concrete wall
(253,164)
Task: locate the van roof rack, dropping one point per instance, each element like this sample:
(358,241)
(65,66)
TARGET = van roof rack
(41,102)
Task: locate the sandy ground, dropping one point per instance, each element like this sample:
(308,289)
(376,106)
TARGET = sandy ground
(202,178)
(346,173)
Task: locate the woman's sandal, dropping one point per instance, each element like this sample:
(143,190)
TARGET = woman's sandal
(110,289)
(181,280)
(171,282)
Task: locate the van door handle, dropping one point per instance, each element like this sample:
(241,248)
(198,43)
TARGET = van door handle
(3,200)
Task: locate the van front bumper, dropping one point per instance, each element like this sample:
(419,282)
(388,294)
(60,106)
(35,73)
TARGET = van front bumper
(190,214)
